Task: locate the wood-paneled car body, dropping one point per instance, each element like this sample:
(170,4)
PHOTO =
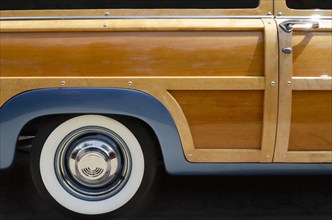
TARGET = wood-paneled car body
(108,89)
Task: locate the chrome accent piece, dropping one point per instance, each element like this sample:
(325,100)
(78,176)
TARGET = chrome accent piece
(128,17)
(272,83)
(287,50)
(287,26)
(92,163)
(289,83)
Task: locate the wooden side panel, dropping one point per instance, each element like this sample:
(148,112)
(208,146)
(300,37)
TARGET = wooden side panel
(223,119)
(227,65)
(311,118)
(305,97)
(132,54)
(312,54)
(311,124)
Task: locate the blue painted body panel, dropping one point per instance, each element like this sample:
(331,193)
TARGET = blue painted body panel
(32,104)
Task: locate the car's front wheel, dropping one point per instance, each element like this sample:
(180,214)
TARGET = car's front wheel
(91,165)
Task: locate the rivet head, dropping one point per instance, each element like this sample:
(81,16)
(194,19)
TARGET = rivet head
(190,154)
(283,156)
(130,83)
(272,83)
(279,13)
(62,83)
(269,13)
(107,13)
(267,155)
(269,22)
(289,83)
(105,25)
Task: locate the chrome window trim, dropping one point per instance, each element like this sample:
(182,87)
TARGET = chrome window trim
(128,17)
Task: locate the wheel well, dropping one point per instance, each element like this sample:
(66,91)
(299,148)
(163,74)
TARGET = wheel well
(138,127)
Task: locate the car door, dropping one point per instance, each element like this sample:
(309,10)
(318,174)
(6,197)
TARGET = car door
(213,64)
(305,98)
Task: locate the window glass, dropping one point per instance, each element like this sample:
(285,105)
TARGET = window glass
(125,4)
(309,4)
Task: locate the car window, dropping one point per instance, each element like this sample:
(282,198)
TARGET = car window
(128,4)
(309,4)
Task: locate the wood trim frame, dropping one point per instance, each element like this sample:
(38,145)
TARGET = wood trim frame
(265,6)
(311,156)
(286,86)
(312,83)
(285,96)
(10,86)
(271,91)
(280,8)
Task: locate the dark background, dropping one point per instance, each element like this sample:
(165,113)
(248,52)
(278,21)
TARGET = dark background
(152,4)
(190,197)
(133,4)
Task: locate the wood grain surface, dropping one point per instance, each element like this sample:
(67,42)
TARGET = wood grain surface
(223,119)
(132,54)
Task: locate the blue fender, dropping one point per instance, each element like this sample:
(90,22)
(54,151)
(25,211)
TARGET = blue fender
(32,104)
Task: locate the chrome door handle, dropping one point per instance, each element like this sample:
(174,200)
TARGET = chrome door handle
(287,26)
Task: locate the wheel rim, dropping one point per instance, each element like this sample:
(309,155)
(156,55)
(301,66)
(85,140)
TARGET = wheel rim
(92,163)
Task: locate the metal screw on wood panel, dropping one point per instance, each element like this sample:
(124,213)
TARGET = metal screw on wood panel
(190,154)
(107,13)
(283,156)
(287,50)
(279,13)
(105,25)
(269,13)
(289,83)
(267,155)
(269,22)
(62,83)
(272,83)
(130,83)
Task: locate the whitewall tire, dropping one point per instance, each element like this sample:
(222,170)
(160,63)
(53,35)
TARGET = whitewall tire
(89,164)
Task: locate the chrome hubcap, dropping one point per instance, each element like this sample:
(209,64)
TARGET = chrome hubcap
(92,163)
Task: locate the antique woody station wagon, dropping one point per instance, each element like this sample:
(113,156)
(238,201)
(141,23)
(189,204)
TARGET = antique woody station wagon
(109,89)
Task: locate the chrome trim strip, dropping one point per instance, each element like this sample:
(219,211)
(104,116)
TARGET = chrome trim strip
(128,17)
(305,17)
